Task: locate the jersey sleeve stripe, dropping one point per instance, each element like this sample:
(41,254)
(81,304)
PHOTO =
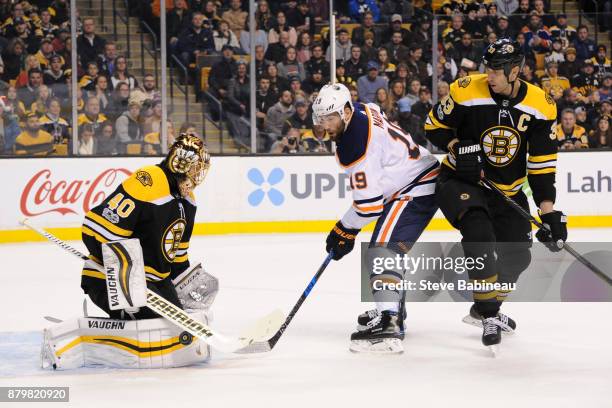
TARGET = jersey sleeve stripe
(548,170)
(552,163)
(108,225)
(87,231)
(543,158)
(102,231)
(152,271)
(369,200)
(181,258)
(373,208)
(433,123)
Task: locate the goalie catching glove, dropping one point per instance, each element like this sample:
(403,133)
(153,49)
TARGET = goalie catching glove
(341,240)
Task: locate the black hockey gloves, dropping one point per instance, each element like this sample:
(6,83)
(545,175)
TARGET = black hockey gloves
(341,240)
(556,233)
(468,160)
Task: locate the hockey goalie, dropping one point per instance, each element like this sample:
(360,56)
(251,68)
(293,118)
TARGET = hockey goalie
(139,236)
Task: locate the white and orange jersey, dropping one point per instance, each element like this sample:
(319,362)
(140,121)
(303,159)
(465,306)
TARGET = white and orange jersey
(383,163)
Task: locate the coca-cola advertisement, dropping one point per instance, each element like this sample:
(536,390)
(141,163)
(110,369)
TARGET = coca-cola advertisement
(60,192)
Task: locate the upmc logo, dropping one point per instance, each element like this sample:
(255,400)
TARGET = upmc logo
(45,194)
(270,186)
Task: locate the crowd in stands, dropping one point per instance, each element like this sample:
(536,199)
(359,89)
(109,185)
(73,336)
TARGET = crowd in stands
(383,52)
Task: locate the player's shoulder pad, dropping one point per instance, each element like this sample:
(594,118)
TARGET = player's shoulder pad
(538,103)
(470,89)
(353,145)
(148,184)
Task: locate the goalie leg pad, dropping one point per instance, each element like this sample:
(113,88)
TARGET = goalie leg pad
(125,276)
(150,343)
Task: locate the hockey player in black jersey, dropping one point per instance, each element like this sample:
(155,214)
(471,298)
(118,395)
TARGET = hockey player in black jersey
(500,127)
(156,205)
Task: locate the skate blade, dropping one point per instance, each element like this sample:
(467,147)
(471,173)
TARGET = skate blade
(478,323)
(494,349)
(380,346)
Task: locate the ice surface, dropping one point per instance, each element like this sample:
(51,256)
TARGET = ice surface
(560,355)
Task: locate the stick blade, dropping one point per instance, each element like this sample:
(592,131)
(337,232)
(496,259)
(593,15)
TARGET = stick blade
(264,328)
(256,347)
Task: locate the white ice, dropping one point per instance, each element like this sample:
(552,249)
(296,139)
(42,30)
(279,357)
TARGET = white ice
(560,356)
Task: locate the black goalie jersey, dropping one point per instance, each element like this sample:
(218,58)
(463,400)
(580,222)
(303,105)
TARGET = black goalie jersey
(517,136)
(146,206)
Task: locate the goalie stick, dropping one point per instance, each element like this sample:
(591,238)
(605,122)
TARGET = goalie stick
(261,330)
(268,345)
(538,224)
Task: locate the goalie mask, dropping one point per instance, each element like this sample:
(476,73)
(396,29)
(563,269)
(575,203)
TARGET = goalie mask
(188,158)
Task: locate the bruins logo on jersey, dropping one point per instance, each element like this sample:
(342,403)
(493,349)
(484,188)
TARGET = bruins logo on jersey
(500,145)
(464,82)
(172,238)
(144,178)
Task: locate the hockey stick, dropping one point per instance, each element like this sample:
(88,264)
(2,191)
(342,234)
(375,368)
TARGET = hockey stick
(538,224)
(265,346)
(263,328)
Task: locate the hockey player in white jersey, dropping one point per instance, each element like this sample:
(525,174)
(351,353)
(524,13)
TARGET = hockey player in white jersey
(393,181)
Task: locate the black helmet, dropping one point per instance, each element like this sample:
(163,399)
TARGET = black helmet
(503,54)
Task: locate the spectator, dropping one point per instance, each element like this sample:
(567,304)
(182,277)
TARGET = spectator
(152,122)
(601,137)
(506,7)
(301,18)
(261,39)
(343,46)
(176,20)
(412,93)
(521,17)
(314,82)
(277,84)
(263,16)
(547,19)
(556,54)
(237,104)
(260,61)
(587,80)
(92,114)
(45,25)
(398,52)
(357,8)
(195,40)
(537,36)
(354,95)
(367,26)
(300,120)
(87,81)
(264,100)
(604,110)
(402,74)
(422,36)
(605,90)
(569,135)
(554,84)
(16,104)
(528,74)
(29,93)
(582,119)
(45,52)
(303,47)
(403,8)
(41,103)
(107,143)
(210,13)
(148,87)
(290,66)
(52,122)
(127,127)
(601,62)
(367,85)
(106,62)
(465,53)
(368,51)
(101,92)
(59,12)
(384,65)
(585,47)
(317,62)
(33,141)
(222,72)
(236,17)
(21,29)
(569,100)
(355,67)
(122,75)
(279,113)
(503,28)
(224,36)
(562,31)
(453,34)
(89,44)
(87,141)
(14,59)
(277,51)
(31,62)
(410,123)
(55,78)
(443,89)
(317,141)
(416,66)
(383,101)
(569,67)
(423,106)
(279,27)
(289,144)
(341,76)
